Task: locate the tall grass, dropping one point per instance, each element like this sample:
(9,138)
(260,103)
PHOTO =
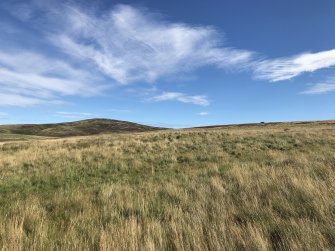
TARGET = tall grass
(252,188)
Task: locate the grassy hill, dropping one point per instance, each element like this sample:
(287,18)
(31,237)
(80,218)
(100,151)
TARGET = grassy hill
(79,128)
(255,187)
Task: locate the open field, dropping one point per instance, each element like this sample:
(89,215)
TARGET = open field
(265,187)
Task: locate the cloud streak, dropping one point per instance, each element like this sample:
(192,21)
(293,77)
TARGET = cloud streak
(287,68)
(77,115)
(322,88)
(28,78)
(181,97)
(10,99)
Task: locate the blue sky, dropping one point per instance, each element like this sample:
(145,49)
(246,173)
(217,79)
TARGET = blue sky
(170,63)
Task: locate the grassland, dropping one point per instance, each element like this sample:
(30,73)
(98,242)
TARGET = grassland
(266,187)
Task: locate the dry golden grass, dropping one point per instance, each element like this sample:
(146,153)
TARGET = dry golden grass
(250,188)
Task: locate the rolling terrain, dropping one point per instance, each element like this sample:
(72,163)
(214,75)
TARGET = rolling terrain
(78,128)
(241,187)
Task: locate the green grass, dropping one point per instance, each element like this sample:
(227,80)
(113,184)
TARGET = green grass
(266,187)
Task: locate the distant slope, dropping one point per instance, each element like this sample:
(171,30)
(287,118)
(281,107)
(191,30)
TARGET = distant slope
(270,124)
(78,128)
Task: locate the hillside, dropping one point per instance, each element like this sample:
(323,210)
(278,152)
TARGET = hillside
(78,128)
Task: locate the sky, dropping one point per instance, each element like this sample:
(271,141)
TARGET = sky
(167,63)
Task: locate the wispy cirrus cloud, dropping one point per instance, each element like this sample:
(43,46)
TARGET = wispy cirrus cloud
(128,44)
(148,48)
(12,99)
(181,97)
(121,45)
(290,67)
(77,115)
(124,45)
(203,113)
(322,88)
(29,78)
(143,47)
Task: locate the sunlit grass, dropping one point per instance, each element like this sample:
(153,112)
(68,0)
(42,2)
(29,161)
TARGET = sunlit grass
(250,188)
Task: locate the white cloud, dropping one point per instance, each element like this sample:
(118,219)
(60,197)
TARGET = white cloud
(321,88)
(287,68)
(203,113)
(181,97)
(9,99)
(129,45)
(78,115)
(126,44)
(28,78)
